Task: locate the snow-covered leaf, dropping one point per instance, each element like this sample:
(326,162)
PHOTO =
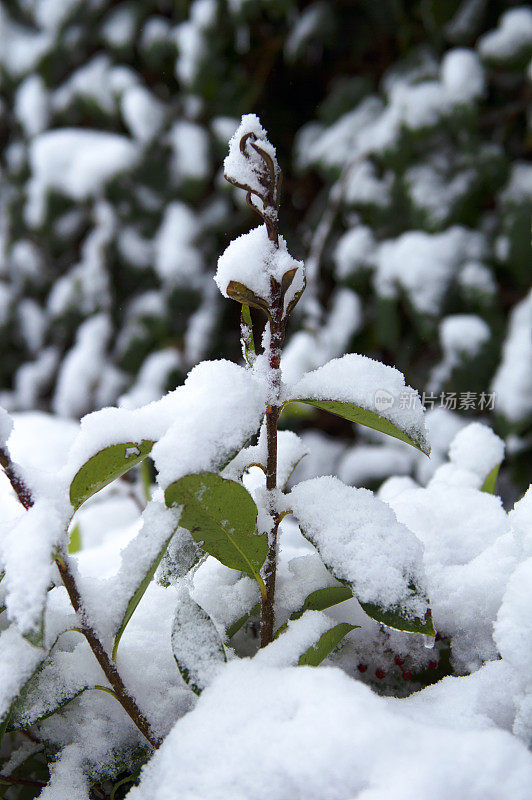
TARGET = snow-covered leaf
(364,546)
(196,644)
(324,598)
(319,600)
(365,391)
(139,593)
(221,516)
(396,617)
(104,467)
(239,292)
(327,642)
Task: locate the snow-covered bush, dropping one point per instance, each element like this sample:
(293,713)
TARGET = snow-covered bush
(193,626)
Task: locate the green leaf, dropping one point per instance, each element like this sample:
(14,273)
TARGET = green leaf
(319,600)
(325,644)
(370,419)
(398,619)
(324,598)
(196,645)
(74,545)
(138,594)
(241,621)
(221,516)
(491,480)
(237,291)
(104,467)
(246,336)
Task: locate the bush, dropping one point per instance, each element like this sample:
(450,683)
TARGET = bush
(212,664)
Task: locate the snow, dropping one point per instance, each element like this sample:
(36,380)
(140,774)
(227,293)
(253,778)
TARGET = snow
(370,385)
(365,463)
(513,35)
(6,426)
(190,145)
(20,47)
(323,730)
(81,367)
(196,644)
(76,162)
(218,409)
(143,113)
(477,448)
(246,168)
(119,26)
(469,554)
(462,74)
(477,278)
(67,779)
(361,541)
(300,635)
(519,187)
(462,337)
(32,105)
(152,378)
(107,600)
(290,450)
(26,547)
(177,260)
(253,260)
(513,626)
(513,380)
(91,81)
(424,264)
(18,662)
(308,350)
(355,250)
(435,192)
(223,593)
(364,187)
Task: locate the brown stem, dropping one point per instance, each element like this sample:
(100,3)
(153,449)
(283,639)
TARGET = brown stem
(111,673)
(277,327)
(21,782)
(17,483)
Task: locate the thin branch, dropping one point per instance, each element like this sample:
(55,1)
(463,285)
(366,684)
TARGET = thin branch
(19,487)
(21,782)
(111,673)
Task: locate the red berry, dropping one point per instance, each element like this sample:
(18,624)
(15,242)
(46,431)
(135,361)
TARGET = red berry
(362,667)
(399,661)
(433,664)
(380,673)
(407,676)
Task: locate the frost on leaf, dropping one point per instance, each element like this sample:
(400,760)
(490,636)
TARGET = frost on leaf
(365,547)
(196,645)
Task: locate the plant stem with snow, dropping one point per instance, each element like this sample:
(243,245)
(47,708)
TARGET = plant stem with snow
(120,691)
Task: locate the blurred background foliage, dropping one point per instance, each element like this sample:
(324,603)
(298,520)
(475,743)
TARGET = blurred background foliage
(403,130)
